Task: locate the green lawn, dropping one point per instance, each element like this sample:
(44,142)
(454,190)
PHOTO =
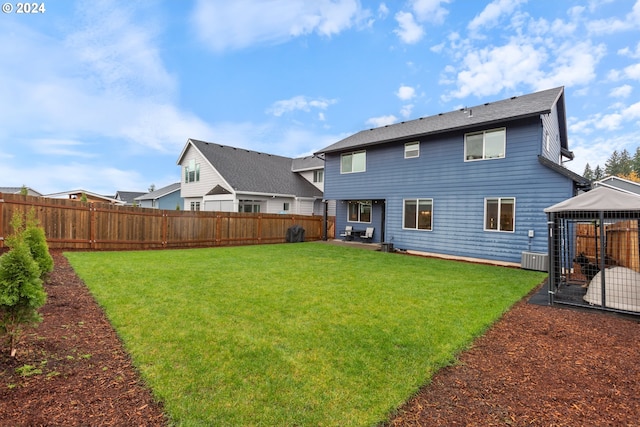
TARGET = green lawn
(293,334)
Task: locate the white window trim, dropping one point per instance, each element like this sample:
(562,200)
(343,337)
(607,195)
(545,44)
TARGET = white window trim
(484,132)
(484,219)
(417,200)
(412,147)
(352,153)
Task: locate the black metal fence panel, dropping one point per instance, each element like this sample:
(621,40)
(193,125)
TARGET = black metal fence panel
(594,259)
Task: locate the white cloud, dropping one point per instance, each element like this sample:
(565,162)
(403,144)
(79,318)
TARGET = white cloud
(224,25)
(626,51)
(575,64)
(383,11)
(492,13)
(60,147)
(430,10)
(406,110)
(53,178)
(382,121)
(632,112)
(406,93)
(409,30)
(621,91)
(488,71)
(609,122)
(632,71)
(298,103)
(631,21)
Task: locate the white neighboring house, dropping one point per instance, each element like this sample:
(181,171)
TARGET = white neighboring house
(91,197)
(223,178)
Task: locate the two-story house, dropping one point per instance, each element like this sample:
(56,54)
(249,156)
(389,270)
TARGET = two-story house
(223,178)
(469,183)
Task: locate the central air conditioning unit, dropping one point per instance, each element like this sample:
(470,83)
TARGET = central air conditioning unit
(534,261)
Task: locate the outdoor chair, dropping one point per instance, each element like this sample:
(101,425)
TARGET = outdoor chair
(347,233)
(368,235)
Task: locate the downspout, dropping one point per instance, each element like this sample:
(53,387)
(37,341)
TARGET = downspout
(325,218)
(553,273)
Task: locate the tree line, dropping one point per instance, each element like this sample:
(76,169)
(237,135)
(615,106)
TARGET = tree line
(620,164)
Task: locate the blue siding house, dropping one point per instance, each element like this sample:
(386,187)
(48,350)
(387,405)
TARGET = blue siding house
(469,183)
(167,198)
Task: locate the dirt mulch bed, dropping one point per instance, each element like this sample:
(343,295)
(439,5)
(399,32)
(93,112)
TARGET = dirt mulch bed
(80,374)
(538,366)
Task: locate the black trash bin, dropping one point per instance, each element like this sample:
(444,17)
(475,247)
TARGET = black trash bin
(295,234)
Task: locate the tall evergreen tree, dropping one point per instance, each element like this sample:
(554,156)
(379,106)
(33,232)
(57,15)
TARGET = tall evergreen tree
(588,173)
(598,174)
(612,165)
(635,161)
(625,163)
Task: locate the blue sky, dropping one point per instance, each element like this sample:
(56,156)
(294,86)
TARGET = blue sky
(103,95)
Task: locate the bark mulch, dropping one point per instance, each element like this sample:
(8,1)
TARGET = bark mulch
(538,366)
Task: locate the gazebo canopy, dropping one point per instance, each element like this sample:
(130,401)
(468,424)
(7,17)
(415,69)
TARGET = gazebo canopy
(599,199)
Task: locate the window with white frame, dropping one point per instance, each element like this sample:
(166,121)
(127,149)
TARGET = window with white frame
(500,214)
(195,206)
(248,206)
(418,214)
(285,206)
(353,162)
(490,144)
(318,176)
(359,211)
(411,149)
(192,172)
(547,141)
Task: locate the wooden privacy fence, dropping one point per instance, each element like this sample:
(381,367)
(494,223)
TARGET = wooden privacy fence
(622,244)
(70,224)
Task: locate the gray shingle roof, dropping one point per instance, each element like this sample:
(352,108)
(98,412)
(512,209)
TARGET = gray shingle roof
(492,112)
(255,172)
(128,196)
(160,192)
(307,163)
(17,190)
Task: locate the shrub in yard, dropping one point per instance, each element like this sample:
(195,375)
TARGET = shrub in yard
(33,235)
(35,238)
(21,293)
(21,290)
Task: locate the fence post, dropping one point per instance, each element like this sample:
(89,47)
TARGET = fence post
(92,226)
(218,228)
(1,224)
(165,232)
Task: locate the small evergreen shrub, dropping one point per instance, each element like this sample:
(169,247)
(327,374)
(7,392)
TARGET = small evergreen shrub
(21,293)
(36,240)
(21,289)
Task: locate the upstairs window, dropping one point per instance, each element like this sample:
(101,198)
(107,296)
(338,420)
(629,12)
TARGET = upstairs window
(490,144)
(359,211)
(411,149)
(192,172)
(318,176)
(353,162)
(499,214)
